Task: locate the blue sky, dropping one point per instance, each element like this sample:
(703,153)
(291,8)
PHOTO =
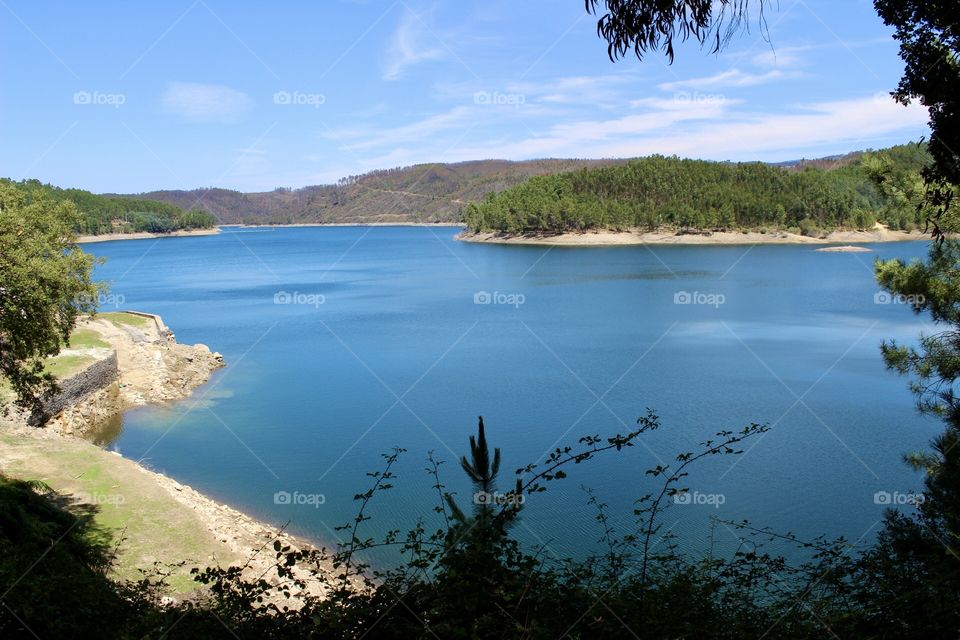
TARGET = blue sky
(136,96)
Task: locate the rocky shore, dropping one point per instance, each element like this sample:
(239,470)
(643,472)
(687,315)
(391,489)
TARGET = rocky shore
(123,360)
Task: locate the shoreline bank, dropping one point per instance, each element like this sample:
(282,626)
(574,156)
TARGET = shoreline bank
(145,235)
(636,237)
(159,518)
(346,224)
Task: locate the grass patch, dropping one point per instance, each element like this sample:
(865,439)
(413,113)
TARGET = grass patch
(87,339)
(6,392)
(129,504)
(121,318)
(64,366)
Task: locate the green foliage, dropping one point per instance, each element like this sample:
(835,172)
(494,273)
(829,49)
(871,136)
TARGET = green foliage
(45,283)
(656,192)
(101,214)
(932,286)
(899,175)
(929,36)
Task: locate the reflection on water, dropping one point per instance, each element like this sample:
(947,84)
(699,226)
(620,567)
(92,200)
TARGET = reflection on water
(106,431)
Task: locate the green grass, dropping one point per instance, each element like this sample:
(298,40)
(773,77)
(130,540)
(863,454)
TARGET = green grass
(87,339)
(6,393)
(64,366)
(120,318)
(130,505)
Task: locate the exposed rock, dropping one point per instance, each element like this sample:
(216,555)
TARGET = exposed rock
(144,365)
(153,366)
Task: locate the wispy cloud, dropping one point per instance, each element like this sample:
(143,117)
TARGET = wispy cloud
(721,131)
(359,139)
(710,129)
(780,58)
(196,102)
(725,80)
(411,44)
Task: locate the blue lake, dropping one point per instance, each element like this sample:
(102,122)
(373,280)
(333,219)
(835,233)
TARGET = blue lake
(342,343)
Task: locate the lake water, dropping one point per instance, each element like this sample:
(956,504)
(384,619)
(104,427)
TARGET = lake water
(342,343)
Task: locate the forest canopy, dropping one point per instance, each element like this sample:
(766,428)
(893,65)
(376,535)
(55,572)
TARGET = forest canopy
(669,192)
(101,214)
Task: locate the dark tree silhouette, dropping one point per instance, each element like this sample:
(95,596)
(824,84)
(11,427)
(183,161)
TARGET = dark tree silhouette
(639,26)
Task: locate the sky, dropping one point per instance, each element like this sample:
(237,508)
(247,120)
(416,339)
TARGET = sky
(128,97)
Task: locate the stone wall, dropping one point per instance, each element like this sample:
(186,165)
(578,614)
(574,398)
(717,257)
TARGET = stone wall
(98,376)
(161,327)
(89,414)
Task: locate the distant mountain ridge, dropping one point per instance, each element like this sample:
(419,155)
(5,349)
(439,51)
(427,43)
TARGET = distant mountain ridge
(432,192)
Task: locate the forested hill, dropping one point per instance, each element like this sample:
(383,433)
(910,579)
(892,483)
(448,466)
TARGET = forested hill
(434,192)
(100,214)
(807,197)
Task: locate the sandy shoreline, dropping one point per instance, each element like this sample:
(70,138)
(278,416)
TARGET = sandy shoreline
(161,519)
(143,235)
(636,237)
(346,224)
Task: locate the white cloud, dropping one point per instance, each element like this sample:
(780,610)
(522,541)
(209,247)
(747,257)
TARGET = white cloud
(742,135)
(206,102)
(418,131)
(713,130)
(407,46)
(724,80)
(780,58)
(716,130)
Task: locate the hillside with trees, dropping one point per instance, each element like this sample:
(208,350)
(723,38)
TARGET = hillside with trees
(99,214)
(828,193)
(435,192)
(808,197)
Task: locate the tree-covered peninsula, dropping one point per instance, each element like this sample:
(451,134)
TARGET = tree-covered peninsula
(101,214)
(660,192)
